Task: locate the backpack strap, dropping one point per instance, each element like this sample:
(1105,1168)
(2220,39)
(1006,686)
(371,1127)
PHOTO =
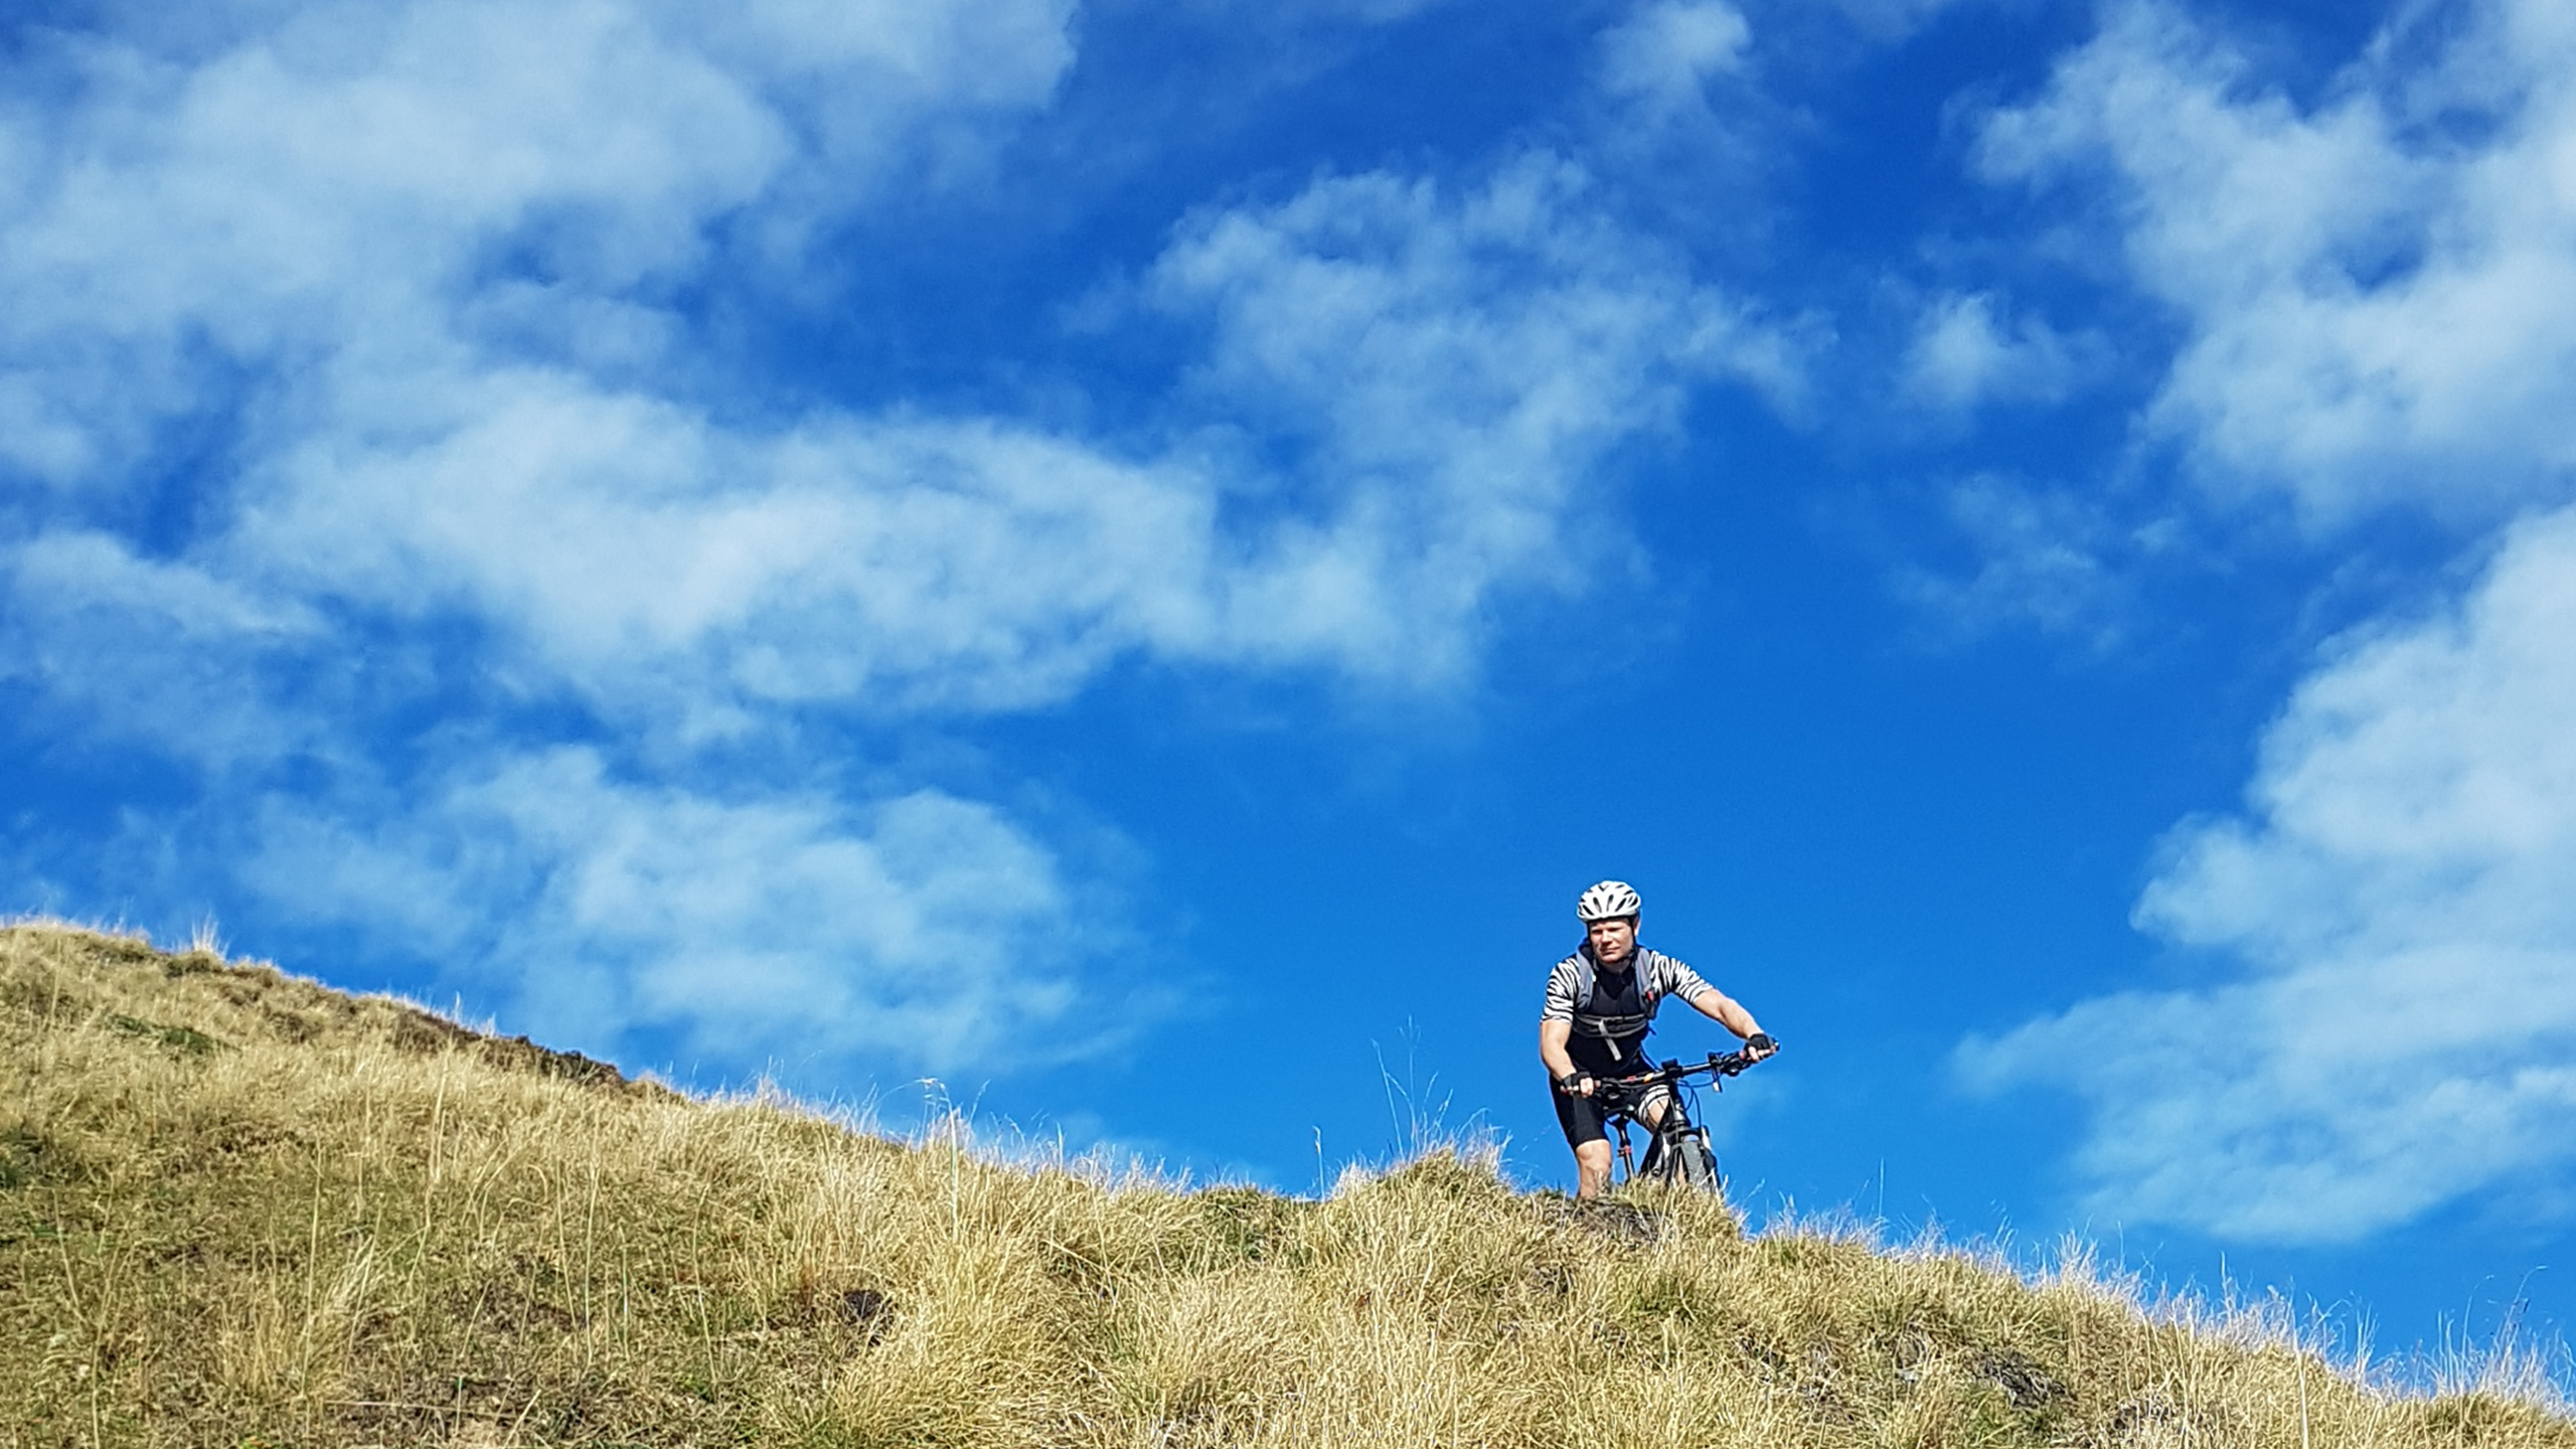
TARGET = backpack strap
(1611,1028)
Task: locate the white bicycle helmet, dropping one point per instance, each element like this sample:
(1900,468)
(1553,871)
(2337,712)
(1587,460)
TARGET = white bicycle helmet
(1607,901)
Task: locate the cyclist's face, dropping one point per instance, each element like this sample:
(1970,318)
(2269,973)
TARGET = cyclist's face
(1612,940)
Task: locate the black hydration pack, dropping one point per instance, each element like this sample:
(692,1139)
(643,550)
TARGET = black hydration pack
(1614,1027)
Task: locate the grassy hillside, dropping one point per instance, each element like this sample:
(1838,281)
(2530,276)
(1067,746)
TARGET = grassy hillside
(240,1209)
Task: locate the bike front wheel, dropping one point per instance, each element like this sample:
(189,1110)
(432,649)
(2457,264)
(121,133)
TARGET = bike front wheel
(1691,1164)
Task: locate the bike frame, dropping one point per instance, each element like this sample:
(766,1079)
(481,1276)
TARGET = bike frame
(1678,1101)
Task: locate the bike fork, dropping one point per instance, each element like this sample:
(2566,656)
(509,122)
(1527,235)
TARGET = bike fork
(1627,1162)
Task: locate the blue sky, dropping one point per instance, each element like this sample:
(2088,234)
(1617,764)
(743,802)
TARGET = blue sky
(1133,559)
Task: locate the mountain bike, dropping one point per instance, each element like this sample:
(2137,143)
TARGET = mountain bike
(1677,1149)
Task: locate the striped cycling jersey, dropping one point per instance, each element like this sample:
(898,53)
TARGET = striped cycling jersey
(1570,996)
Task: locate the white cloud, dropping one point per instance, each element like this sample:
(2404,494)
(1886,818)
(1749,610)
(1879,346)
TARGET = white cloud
(1450,367)
(2378,291)
(155,651)
(336,184)
(2398,891)
(652,558)
(1892,20)
(2051,558)
(923,932)
(1367,12)
(1664,53)
(1963,356)
(1458,363)
(412,263)
(2374,292)
(415,268)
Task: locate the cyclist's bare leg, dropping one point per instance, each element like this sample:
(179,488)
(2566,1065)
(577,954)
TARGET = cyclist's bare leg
(1591,1169)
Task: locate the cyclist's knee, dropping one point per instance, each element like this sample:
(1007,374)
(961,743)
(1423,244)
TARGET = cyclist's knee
(1591,1168)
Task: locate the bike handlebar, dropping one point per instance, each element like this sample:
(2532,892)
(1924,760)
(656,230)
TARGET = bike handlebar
(1718,1065)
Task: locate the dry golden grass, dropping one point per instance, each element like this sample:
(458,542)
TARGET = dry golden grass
(239,1209)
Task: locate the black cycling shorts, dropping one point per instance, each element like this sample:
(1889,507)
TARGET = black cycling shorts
(1587,1119)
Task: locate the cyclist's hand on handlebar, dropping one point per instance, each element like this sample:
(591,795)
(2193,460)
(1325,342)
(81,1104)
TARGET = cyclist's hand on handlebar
(1576,1084)
(1760,1045)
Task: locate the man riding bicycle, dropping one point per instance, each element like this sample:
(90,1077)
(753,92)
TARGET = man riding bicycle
(1601,1003)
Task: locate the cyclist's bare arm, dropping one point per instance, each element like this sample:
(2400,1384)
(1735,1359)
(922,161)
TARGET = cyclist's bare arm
(1723,1009)
(1552,1037)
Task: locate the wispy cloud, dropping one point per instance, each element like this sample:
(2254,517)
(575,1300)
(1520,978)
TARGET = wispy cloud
(2377,291)
(918,931)
(352,189)
(2404,1033)
(1663,54)
(1965,353)
(2374,291)
(2051,558)
(1455,361)
(490,576)
(1893,20)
